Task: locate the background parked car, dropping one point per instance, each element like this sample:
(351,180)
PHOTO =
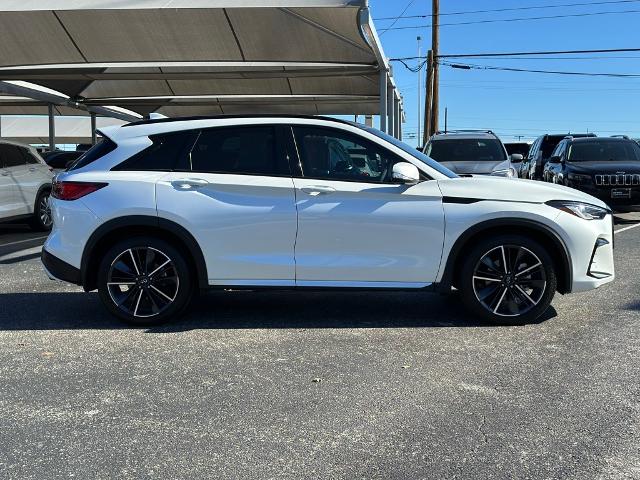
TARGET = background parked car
(59,160)
(607,168)
(521,148)
(25,185)
(541,151)
(468,152)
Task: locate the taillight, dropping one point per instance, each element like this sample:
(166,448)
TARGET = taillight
(74,190)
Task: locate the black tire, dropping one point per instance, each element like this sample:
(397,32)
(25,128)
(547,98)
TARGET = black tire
(529,282)
(145,293)
(42,220)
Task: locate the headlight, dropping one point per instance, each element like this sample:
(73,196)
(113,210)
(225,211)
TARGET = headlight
(507,172)
(579,179)
(585,211)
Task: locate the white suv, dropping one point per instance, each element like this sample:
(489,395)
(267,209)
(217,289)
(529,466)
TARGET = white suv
(163,208)
(25,185)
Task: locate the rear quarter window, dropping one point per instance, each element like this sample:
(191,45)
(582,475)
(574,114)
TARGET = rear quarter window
(99,150)
(167,153)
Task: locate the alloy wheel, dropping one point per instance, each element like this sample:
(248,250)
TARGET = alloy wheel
(143,282)
(44,211)
(509,280)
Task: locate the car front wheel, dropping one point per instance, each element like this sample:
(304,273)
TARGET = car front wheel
(508,280)
(145,281)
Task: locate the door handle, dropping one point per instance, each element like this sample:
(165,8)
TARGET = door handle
(32,169)
(188,184)
(4,174)
(316,190)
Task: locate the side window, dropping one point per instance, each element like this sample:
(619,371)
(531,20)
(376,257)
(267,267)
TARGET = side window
(11,156)
(28,157)
(238,150)
(559,150)
(334,155)
(534,149)
(167,153)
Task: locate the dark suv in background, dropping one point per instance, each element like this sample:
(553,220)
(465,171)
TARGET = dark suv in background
(540,152)
(607,168)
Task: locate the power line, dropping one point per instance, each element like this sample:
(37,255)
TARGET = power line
(520,19)
(532,7)
(548,52)
(382,32)
(519,54)
(466,66)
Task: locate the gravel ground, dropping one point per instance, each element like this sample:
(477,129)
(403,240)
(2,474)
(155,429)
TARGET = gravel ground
(317,385)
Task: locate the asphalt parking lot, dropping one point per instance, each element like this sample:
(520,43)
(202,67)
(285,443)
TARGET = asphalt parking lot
(310,385)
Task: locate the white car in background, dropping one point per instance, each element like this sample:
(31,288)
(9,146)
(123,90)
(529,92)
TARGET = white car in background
(471,152)
(25,185)
(161,209)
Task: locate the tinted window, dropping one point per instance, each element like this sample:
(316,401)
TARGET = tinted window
(466,150)
(168,152)
(604,151)
(11,156)
(334,155)
(244,150)
(549,144)
(29,158)
(418,155)
(99,150)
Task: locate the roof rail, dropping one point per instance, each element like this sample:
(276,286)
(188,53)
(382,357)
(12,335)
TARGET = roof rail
(469,130)
(153,121)
(626,137)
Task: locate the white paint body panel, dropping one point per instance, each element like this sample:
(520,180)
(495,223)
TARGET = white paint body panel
(245,225)
(365,232)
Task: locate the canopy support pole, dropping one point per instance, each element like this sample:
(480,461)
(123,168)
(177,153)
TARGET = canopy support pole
(383,101)
(93,128)
(397,117)
(52,129)
(391,109)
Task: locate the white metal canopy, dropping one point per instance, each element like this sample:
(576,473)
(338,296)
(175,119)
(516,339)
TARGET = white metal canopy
(202,56)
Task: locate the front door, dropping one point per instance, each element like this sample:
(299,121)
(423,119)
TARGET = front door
(355,226)
(235,195)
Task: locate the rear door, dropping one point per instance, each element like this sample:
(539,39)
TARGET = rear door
(234,192)
(36,174)
(356,228)
(7,187)
(13,172)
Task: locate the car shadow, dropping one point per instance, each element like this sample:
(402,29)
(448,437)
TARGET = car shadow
(250,310)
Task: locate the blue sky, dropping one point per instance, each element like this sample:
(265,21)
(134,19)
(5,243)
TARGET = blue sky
(524,104)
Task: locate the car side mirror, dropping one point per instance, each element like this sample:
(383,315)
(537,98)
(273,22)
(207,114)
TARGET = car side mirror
(554,160)
(405,173)
(517,158)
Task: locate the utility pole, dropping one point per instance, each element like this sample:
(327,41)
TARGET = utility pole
(435,44)
(419,89)
(428,104)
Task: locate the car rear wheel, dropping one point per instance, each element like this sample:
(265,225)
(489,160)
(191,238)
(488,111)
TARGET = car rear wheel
(42,219)
(145,281)
(508,280)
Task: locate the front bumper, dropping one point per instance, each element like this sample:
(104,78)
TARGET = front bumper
(604,193)
(60,270)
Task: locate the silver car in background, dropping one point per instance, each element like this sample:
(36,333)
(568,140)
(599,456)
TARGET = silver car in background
(472,152)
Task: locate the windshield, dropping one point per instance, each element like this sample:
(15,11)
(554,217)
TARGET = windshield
(411,151)
(604,151)
(466,150)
